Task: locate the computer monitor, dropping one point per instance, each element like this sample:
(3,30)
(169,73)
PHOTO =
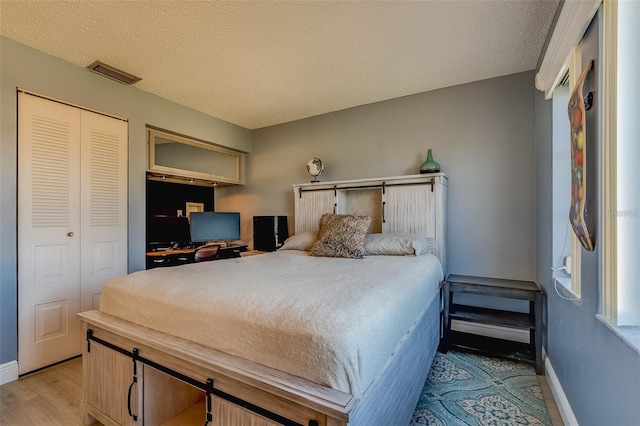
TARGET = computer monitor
(162,228)
(215,226)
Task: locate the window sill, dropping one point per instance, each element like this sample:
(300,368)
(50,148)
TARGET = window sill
(562,284)
(564,279)
(629,334)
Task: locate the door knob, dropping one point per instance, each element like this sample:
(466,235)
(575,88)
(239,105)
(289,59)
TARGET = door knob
(70,234)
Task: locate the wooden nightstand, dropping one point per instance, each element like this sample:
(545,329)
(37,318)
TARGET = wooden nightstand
(532,321)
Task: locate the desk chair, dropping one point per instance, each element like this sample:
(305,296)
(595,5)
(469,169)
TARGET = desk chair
(206,253)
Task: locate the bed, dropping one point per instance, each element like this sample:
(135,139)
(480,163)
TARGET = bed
(282,338)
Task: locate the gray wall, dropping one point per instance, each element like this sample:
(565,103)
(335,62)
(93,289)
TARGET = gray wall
(599,373)
(481,134)
(32,70)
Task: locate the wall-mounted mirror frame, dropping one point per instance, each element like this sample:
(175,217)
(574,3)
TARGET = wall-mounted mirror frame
(233,159)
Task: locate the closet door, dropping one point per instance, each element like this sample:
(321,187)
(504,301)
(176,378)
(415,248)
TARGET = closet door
(72,222)
(48,232)
(103,207)
(311,206)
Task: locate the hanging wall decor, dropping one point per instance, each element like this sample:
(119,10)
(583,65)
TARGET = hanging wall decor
(580,178)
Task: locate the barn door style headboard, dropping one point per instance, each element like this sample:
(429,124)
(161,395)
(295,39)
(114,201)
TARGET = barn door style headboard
(414,204)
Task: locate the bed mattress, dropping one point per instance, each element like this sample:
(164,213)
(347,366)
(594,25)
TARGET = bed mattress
(329,320)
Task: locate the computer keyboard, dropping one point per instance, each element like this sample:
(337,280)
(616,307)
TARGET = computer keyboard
(186,245)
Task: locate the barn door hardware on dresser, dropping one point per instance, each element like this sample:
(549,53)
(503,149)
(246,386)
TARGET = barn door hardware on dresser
(138,404)
(400,204)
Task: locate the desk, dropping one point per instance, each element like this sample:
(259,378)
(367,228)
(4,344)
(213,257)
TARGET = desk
(175,257)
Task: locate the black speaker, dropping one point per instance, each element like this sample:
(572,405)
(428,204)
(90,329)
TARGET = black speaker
(269,232)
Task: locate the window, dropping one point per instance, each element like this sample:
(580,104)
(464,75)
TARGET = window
(621,166)
(566,247)
(561,160)
(618,212)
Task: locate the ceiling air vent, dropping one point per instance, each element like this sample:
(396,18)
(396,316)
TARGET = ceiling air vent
(113,73)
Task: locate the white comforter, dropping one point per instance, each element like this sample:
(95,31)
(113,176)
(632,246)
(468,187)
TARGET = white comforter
(331,321)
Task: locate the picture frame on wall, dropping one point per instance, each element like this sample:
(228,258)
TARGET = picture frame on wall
(192,207)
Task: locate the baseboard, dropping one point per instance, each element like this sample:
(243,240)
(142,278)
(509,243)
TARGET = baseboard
(495,331)
(8,372)
(562,402)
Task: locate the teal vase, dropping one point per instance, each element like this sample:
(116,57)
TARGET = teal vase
(429,166)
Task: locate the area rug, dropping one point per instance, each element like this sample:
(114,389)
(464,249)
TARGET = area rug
(466,389)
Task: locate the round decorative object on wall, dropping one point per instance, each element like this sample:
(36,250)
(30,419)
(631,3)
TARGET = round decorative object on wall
(315,168)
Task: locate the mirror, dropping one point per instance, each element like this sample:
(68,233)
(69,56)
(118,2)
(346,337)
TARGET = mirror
(180,156)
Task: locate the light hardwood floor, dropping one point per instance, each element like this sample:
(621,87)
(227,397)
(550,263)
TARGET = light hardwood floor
(53,397)
(48,397)
(552,408)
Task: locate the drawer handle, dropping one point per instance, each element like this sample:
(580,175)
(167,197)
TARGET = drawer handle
(384,203)
(129,400)
(135,380)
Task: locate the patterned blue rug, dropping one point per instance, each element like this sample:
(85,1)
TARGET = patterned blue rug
(466,389)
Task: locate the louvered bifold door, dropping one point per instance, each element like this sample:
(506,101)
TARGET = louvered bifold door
(48,228)
(103,204)
(72,222)
(310,206)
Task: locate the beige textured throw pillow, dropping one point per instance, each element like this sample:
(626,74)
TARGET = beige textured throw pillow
(302,241)
(341,235)
(396,245)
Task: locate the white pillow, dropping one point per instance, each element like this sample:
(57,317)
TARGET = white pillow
(395,245)
(301,241)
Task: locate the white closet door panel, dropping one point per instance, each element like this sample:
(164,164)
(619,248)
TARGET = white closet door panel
(104,204)
(410,209)
(48,228)
(311,206)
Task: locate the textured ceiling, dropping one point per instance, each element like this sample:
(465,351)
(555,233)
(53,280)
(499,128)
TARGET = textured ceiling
(257,64)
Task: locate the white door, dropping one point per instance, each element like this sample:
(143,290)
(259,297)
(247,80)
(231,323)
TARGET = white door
(48,232)
(72,225)
(103,211)
(414,209)
(311,206)
(405,204)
